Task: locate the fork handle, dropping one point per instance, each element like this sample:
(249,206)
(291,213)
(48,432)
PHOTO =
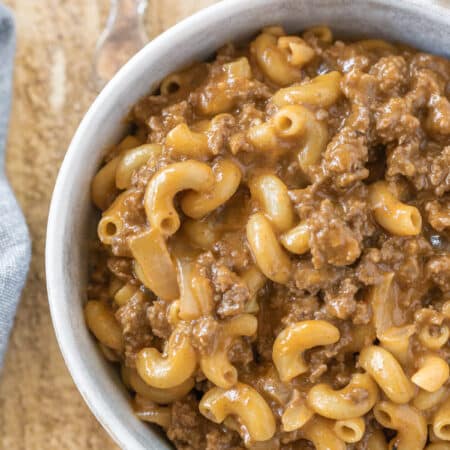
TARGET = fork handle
(123,36)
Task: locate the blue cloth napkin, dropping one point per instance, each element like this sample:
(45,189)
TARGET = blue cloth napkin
(14,239)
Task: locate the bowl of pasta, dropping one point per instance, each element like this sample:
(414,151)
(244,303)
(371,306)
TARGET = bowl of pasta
(258,255)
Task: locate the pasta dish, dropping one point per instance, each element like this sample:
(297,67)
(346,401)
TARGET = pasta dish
(272,268)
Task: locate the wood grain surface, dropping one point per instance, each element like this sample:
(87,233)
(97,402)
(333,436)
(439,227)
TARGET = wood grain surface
(40,408)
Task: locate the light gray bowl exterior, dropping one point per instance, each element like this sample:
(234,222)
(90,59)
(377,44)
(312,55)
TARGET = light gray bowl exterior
(424,24)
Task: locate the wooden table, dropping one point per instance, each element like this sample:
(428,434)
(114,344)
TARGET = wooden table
(40,408)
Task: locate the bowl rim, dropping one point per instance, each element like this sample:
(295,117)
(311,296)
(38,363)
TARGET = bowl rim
(54,244)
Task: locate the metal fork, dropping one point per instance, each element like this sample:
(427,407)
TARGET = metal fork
(123,36)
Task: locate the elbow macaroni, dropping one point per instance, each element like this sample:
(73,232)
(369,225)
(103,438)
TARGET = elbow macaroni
(350,430)
(124,294)
(396,217)
(111,224)
(291,343)
(321,433)
(103,325)
(149,411)
(246,404)
(441,421)
(165,184)
(171,369)
(426,401)
(263,137)
(132,160)
(199,204)
(396,340)
(285,128)
(182,141)
(377,441)
(323,90)
(388,373)
(255,281)
(354,400)
(216,366)
(315,137)
(159,396)
(432,375)
(296,240)
(296,414)
(269,256)
(434,339)
(221,98)
(201,233)
(180,82)
(322,33)
(272,196)
(275,62)
(298,52)
(409,423)
(103,187)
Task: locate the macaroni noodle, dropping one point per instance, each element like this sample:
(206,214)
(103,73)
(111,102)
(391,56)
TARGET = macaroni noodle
(216,366)
(441,421)
(296,414)
(396,217)
(171,369)
(292,342)
(296,240)
(321,433)
(322,91)
(274,61)
(350,430)
(432,375)
(101,321)
(149,411)
(407,421)
(183,141)
(132,160)
(199,204)
(165,184)
(246,404)
(272,196)
(160,396)
(388,373)
(354,400)
(269,256)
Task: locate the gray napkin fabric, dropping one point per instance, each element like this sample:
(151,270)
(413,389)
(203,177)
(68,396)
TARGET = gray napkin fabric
(14,239)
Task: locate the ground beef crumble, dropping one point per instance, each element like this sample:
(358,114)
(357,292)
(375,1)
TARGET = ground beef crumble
(136,329)
(157,314)
(332,240)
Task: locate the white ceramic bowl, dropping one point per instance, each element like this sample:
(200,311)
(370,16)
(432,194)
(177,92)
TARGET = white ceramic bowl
(422,23)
